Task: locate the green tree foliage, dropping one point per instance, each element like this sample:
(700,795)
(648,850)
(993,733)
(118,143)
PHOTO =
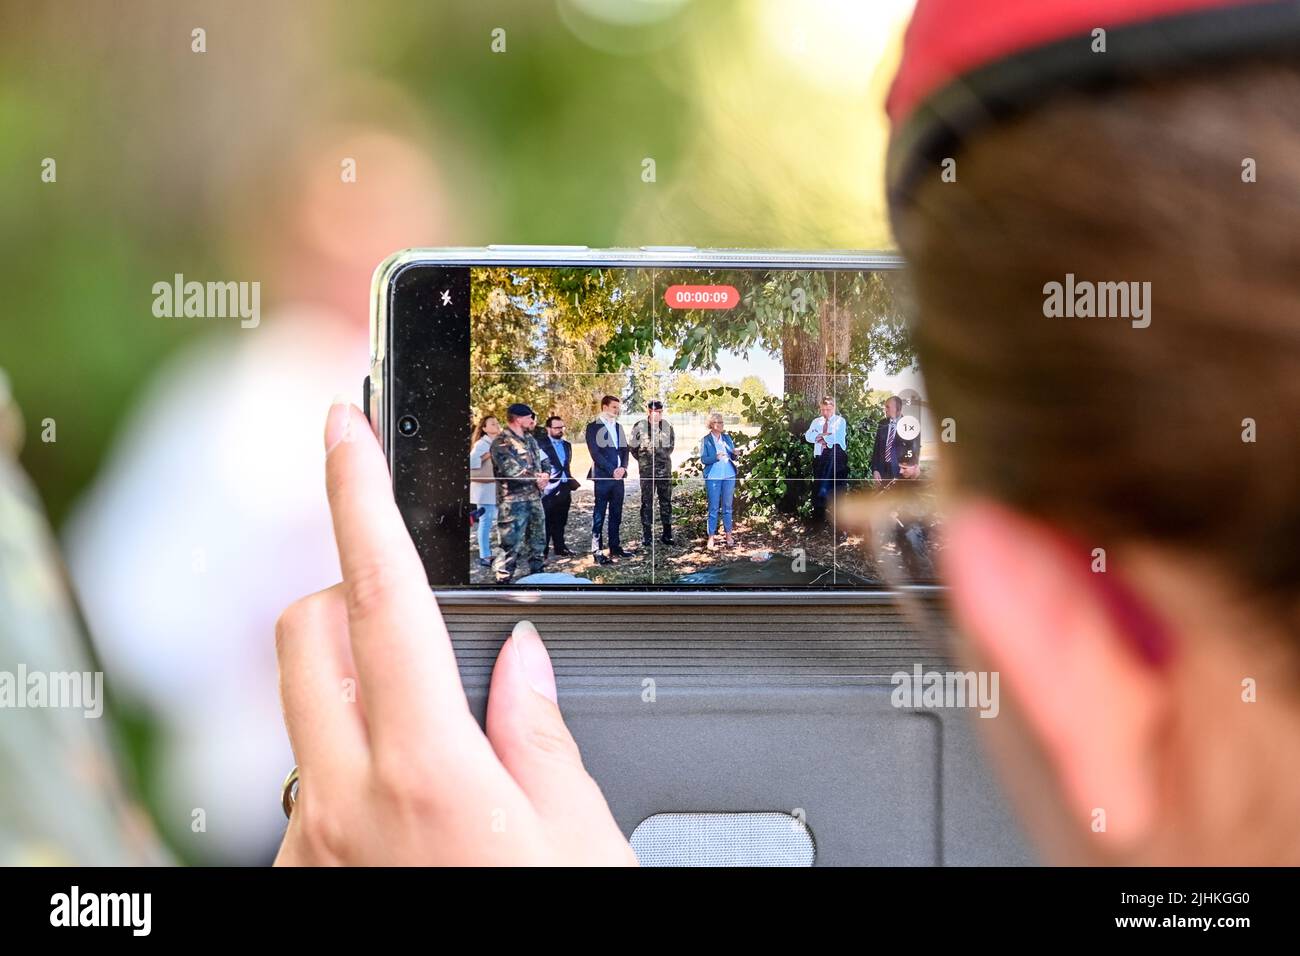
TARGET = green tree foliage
(539,336)
(709,393)
(560,338)
(648,380)
(829,330)
(818,324)
(753,386)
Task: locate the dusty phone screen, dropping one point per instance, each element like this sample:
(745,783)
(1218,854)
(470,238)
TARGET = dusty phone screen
(646,427)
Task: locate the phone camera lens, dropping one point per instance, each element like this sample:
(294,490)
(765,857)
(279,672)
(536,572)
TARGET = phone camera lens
(407,425)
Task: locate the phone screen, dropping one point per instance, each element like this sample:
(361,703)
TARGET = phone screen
(593,427)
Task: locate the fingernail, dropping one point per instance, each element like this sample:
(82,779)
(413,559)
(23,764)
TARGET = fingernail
(533,660)
(338,424)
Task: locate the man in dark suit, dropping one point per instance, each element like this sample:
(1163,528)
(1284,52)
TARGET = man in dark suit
(558,495)
(893,455)
(609,455)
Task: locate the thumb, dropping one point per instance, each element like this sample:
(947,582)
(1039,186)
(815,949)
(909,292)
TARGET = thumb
(530,738)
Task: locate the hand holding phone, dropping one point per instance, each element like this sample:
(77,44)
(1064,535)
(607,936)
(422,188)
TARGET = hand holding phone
(400,773)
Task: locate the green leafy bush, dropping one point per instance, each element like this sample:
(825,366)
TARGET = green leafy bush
(776,460)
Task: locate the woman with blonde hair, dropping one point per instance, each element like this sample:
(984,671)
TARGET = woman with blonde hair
(718,455)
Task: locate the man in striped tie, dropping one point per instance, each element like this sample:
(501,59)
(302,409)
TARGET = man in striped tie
(885,455)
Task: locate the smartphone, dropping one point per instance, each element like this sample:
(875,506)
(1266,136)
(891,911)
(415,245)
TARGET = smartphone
(735,701)
(565,420)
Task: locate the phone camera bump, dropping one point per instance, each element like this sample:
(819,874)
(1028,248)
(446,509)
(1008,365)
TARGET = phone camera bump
(408,426)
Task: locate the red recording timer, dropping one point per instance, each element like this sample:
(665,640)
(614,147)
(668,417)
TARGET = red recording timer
(701,296)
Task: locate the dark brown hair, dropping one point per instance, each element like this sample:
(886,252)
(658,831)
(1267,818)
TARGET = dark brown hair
(479,430)
(1110,431)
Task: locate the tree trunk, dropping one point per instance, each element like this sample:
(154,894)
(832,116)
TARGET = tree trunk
(804,356)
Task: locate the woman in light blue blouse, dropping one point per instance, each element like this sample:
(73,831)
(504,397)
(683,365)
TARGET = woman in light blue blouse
(718,456)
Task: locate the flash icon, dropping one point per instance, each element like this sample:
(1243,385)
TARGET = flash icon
(446,297)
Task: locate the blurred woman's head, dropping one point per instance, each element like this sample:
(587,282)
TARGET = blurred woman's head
(356,177)
(715,422)
(1158,687)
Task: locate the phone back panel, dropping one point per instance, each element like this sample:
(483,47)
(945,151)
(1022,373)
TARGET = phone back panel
(777,709)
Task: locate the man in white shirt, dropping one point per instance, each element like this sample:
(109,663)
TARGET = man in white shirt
(828,434)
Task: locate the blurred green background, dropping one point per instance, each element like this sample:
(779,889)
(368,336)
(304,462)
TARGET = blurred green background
(763,117)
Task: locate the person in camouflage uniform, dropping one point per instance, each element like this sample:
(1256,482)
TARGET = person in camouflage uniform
(62,797)
(652,442)
(522,471)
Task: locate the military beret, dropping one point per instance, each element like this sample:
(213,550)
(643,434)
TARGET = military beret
(967,65)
